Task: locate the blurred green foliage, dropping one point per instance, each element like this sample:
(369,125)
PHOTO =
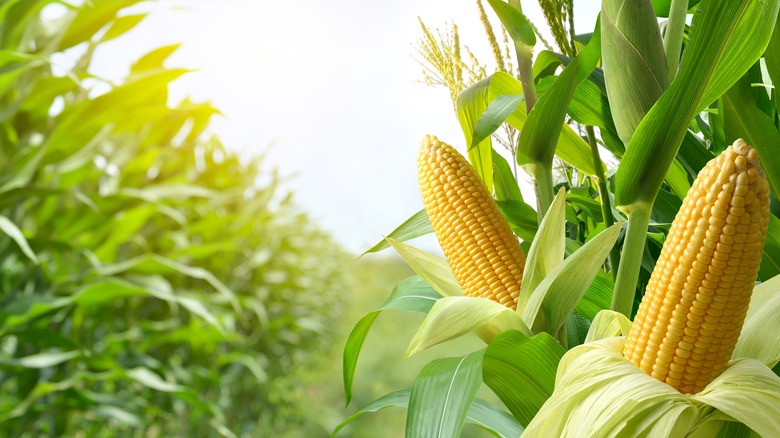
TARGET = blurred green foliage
(151,285)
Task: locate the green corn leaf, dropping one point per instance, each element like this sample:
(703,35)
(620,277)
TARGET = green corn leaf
(505,183)
(412,295)
(89,20)
(481,413)
(563,288)
(547,250)
(473,101)
(521,371)
(452,317)
(432,269)
(597,298)
(588,105)
(441,396)
(539,136)
(11,230)
(772,55)
(728,38)
(416,226)
(515,23)
(521,217)
(744,119)
(760,336)
(770,262)
(41,360)
(494,116)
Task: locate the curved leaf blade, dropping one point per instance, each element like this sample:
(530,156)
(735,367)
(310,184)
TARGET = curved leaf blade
(442,394)
(521,371)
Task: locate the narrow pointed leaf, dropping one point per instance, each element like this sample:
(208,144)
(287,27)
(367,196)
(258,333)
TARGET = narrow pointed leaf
(416,226)
(494,116)
(473,101)
(441,396)
(515,23)
(521,217)
(11,230)
(432,269)
(539,136)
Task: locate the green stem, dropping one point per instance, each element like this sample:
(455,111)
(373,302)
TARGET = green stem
(543,183)
(526,70)
(630,261)
(606,210)
(675,27)
(525,67)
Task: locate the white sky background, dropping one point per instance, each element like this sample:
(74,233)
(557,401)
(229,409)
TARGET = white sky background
(331,86)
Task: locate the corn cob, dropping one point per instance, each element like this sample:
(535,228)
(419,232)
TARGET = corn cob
(480,248)
(695,303)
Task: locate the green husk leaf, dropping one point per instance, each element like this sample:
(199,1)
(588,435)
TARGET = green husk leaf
(563,288)
(760,336)
(749,392)
(599,393)
(547,249)
(608,324)
(432,269)
(452,317)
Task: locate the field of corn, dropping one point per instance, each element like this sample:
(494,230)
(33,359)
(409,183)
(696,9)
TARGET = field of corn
(638,292)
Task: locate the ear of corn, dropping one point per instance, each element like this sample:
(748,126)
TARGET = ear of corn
(695,304)
(481,249)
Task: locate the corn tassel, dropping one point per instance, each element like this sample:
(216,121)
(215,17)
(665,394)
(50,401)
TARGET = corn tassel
(481,249)
(696,300)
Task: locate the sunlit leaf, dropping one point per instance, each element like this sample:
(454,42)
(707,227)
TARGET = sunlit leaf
(432,269)
(452,317)
(11,230)
(416,226)
(412,294)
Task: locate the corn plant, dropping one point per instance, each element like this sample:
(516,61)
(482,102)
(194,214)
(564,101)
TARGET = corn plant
(685,224)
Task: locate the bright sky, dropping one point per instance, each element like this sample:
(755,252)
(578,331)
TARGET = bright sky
(331,86)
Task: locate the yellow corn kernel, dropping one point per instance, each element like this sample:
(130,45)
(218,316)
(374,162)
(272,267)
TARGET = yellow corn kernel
(695,303)
(476,239)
